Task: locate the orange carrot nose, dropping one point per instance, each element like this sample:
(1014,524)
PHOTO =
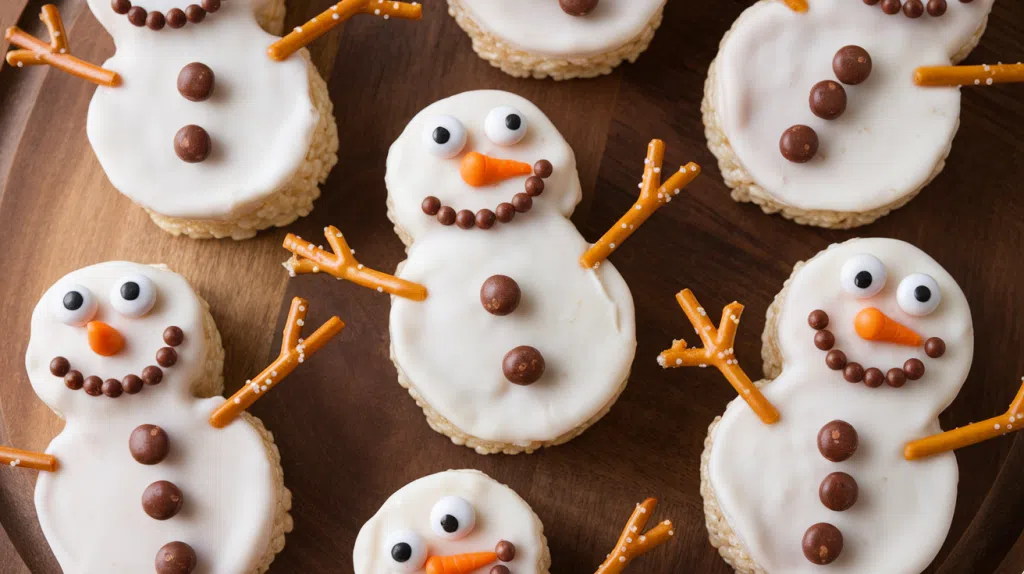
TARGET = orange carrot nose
(478,169)
(460,563)
(104,339)
(874,325)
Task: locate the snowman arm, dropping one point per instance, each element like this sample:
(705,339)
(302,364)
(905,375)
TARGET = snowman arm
(293,352)
(970,434)
(956,76)
(323,22)
(308,258)
(653,194)
(57,53)
(634,542)
(718,352)
(27,459)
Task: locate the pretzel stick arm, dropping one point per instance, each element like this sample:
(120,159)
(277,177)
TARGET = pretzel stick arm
(57,53)
(634,542)
(983,75)
(325,21)
(15,457)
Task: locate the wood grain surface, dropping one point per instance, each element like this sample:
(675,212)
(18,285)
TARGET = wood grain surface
(350,436)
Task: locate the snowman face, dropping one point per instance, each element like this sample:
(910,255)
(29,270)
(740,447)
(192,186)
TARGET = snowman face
(458,513)
(887,303)
(114,322)
(475,151)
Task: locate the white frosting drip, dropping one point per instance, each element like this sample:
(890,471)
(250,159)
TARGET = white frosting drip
(893,134)
(542,27)
(260,117)
(766,477)
(90,509)
(501,514)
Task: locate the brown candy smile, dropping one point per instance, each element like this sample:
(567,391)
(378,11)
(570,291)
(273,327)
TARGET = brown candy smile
(504,212)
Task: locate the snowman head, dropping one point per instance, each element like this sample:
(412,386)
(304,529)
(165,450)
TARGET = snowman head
(136,330)
(451,517)
(889,306)
(476,151)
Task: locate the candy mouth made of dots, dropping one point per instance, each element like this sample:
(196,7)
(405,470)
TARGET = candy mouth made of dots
(156,20)
(505,211)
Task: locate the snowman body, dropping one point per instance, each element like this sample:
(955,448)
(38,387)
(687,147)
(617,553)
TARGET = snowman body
(766,478)
(260,116)
(90,509)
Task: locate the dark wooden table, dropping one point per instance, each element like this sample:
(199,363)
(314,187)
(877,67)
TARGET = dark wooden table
(350,436)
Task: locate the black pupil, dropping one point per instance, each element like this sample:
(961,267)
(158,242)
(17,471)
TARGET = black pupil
(441,135)
(862,280)
(130,291)
(922,293)
(449,523)
(513,121)
(73,300)
(401,552)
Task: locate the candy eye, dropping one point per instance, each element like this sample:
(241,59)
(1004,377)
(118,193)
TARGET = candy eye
(863,275)
(505,125)
(445,136)
(133,295)
(76,306)
(406,551)
(452,518)
(918,294)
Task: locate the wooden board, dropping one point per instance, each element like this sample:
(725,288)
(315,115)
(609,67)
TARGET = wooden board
(350,435)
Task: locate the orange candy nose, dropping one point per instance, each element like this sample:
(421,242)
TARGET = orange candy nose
(874,325)
(460,563)
(478,169)
(104,339)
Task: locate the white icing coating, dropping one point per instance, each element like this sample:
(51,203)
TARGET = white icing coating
(501,514)
(90,509)
(260,117)
(581,320)
(542,27)
(766,477)
(893,134)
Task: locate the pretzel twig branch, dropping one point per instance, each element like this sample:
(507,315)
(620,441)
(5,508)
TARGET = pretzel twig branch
(955,76)
(717,352)
(653,194)
(27,459)
(308,258)
(293,352)
(323,22)
(634,542)
(970,434)
(57,53)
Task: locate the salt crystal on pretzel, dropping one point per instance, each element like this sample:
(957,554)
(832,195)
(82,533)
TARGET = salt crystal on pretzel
(323,22)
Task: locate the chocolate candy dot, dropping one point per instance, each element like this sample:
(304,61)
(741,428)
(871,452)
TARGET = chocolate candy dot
(132,384)
(73,380)
(446,215)
(194,13)
(431,205)
(500,569)
(522,202)
(822,543)
(195,82)
(895,378)
(175,558)
(578,7)
(505,212)
(485,219)
(149,444)
(166,357)
(59,366)
(121,6)
(891,6)
(543,169)
(192,144)
(838,491)
(173,336)
(465,219)
(155,21)
(152,375)
(828,100)
(852,65)
(874,377)
(799,144)
(500,295)
(914,369)
(93,386)
(913,9)
(506,551)
(112,388)
(936,7)
(137,16)
(162,500)
(824,340)
(835,359)
(176,18)
(210,6)
(534,186)
(933,347)
(837,441)
(818,319)
(523,365)
(853,372)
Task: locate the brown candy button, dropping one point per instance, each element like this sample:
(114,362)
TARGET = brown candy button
(174,336)
(166,357)
(73,380)
(195,82)
(431,205)
(505,212)
(506,551)
(522,202)
(155,21)
(913,9)
(852,65)
(543,169)
(891,6)
(194,13)
(93,386)
(837,441)
(152,375)
(162,500)
(828,99)
(835,359)
(176,18)
(121,6)
(500,569)
(853,372)
(465,219)
(149,444)
(838,491)
(578,7)
(112,388)
(818,319)
(824,340)
(137,16)
(132,384)
(192,144)
(175,558)
(874,377)
(534,186)
(446,215)
(523,365)
(485,219)
(799,144)
(210,6)
(822,543)
(500,295)
(933,347)
(895,378)
(914,369)
(59,366)
(936,7)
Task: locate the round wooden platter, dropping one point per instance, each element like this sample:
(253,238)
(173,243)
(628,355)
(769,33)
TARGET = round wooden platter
(350,436)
